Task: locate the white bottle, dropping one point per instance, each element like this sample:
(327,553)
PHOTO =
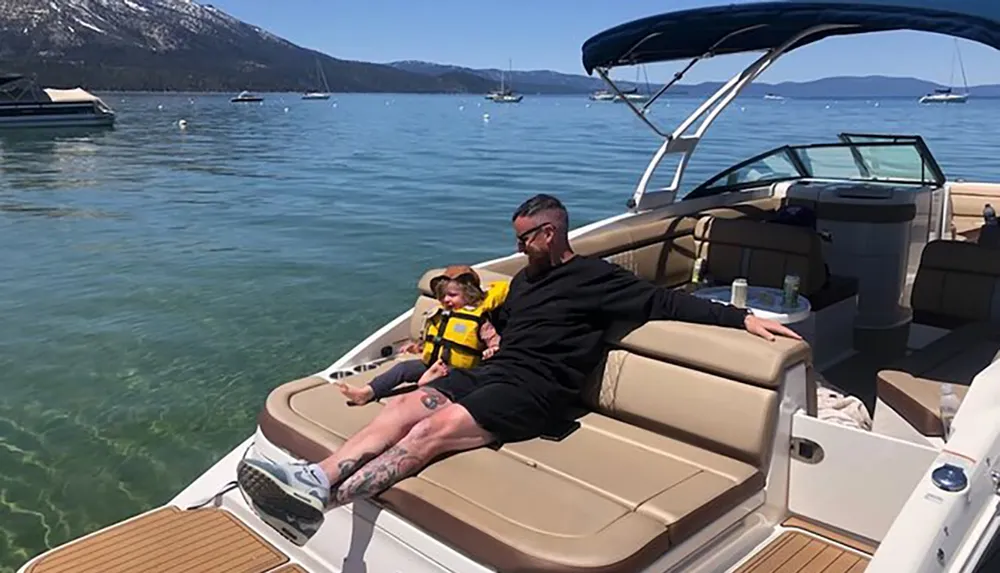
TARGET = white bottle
(949,407)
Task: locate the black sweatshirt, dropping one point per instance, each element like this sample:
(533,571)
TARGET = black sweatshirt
(552,325)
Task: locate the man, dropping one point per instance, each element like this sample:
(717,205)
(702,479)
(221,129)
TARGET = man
(551,328)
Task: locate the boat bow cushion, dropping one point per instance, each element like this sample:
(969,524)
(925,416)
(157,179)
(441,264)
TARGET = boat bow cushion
(672,444)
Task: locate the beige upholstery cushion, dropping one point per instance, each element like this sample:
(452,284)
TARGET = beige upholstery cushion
(538,505)
(674,401)
(763,253)
(747,357)
(957,283)
(967,202)
(912,385)
(668,450)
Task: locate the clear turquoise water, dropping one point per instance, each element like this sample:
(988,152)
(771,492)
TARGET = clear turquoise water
(156,283)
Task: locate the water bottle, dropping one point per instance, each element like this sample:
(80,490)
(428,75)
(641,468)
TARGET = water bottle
(948,408)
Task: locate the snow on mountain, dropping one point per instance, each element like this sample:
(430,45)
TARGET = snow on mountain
(175,45)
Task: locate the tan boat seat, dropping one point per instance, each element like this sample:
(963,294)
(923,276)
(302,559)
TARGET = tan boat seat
(967,203)
(763,253)
(912,386)
(957,283)
(674,438)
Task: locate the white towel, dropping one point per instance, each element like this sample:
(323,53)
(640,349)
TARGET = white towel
(839,408)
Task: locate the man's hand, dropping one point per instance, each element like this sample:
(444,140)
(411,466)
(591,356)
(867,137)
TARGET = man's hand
(766,328)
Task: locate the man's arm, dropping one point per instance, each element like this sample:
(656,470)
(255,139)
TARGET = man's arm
(627,297)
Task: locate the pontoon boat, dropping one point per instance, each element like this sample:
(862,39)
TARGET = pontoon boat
(23,104)
(701,449)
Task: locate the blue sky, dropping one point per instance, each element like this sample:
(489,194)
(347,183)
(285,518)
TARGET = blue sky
(547,34)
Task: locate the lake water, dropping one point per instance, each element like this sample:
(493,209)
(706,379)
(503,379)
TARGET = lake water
(157,283)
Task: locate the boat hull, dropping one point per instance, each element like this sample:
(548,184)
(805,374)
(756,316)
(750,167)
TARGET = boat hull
(507,99)
(316,96)
(945,99)
(84,114)
(247,100)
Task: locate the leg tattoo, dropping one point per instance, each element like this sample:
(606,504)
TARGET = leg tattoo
(347,467)
(378,475)
(432,399)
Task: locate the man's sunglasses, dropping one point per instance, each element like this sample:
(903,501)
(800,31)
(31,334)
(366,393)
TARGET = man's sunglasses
(526,236)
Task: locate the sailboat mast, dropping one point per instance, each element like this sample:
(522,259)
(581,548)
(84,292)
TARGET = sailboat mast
(961,66)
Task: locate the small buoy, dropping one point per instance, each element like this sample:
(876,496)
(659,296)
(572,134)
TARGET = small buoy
(876,104)
(160,107)
(461,108)
(334,104)
(286,110)
(182,124)
(486,118)
(827,106)
(742,108)
(588,105)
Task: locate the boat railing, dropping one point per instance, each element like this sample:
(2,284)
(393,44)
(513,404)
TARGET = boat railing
(679,140)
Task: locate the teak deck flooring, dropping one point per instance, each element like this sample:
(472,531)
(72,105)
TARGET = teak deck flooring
(170,540)
(795,552)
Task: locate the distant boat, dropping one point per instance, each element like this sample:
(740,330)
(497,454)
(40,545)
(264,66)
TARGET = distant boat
(246,97)
(323,95)
(602,95)
(505,94)
(946,95)
(631,95)
(23,104)
(773,96)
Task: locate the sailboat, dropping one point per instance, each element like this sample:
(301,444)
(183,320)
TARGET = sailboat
(505,94)
(323,95)
(946,95)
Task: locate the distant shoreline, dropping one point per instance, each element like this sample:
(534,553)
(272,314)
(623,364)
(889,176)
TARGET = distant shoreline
(667,96)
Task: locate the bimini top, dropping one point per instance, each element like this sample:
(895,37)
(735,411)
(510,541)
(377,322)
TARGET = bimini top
(759,26)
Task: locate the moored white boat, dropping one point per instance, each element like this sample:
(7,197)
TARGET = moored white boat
(944,95)
(699,449)
(24,104)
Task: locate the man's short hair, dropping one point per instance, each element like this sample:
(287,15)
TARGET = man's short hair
(539,204)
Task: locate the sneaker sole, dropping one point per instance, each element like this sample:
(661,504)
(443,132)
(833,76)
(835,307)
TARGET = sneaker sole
(296,533)
(274,496)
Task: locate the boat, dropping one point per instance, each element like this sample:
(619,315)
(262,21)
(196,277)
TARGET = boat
(319,95)
(948,95)
(602,95)
(246,97)
(631,95)
(697,448)
(773,96)
(505,94)
(944,95)
(24,104)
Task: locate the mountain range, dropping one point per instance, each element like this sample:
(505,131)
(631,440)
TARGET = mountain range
(182,45)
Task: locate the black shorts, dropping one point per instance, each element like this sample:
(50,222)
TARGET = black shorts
(499,404)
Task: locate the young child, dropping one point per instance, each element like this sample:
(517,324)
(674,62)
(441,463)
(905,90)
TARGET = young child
(456,335)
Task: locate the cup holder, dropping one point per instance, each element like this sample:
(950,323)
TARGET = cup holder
(338,374)
(365,367)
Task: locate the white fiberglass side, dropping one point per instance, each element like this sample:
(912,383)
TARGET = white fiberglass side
(942,525)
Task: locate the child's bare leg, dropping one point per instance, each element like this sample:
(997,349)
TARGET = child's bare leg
(437,370)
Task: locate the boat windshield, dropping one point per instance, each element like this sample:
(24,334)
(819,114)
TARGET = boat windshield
(898,159)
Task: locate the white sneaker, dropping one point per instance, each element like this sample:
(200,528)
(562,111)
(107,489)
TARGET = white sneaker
(282,490)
